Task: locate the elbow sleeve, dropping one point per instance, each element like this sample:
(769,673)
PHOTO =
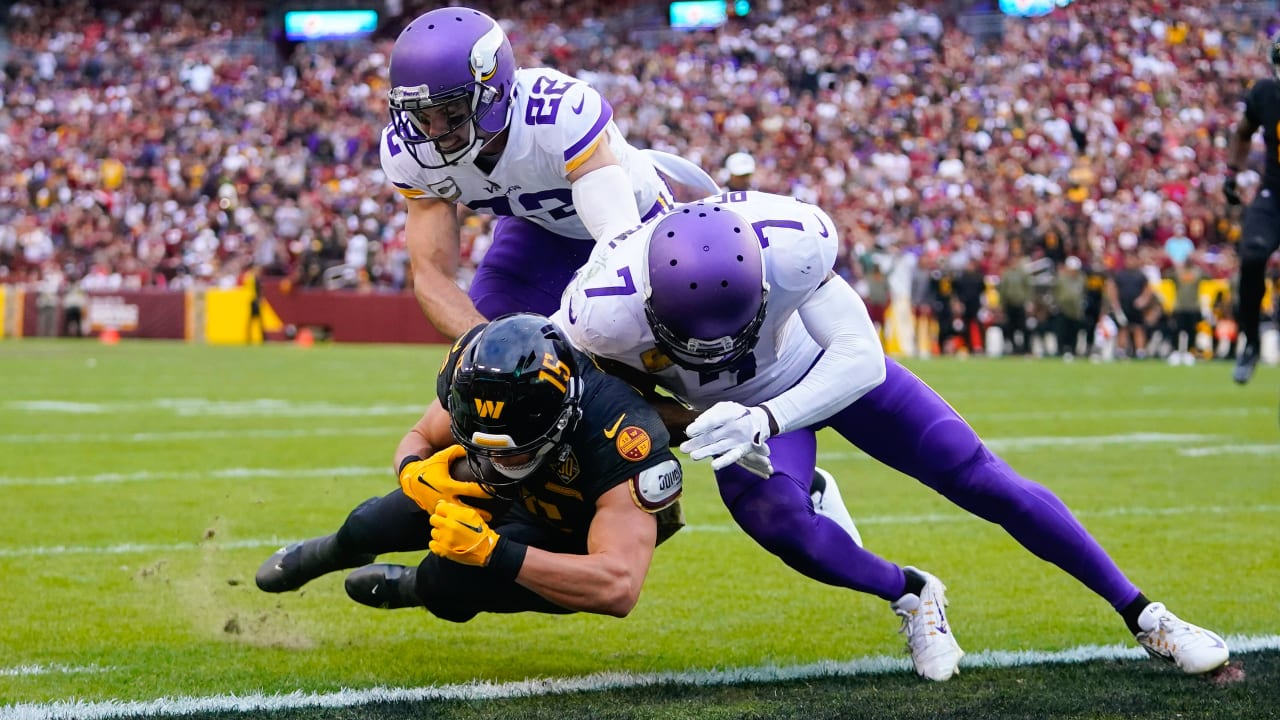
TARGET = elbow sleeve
(598,198)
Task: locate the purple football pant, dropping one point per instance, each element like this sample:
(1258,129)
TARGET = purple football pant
(526,269)
(904,424)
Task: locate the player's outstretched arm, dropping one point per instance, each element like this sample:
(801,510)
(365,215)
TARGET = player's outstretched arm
(852,365)
(607,580)
(432,236)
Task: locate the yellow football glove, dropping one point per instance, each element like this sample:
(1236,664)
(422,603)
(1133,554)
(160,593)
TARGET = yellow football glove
(428,482)
(459,533)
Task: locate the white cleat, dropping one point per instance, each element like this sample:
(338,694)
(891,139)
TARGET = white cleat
(827,502)
(934,650)
(1193,649)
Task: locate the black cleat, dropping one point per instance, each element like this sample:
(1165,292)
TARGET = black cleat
(1245,364)
(295,565)
(384,586)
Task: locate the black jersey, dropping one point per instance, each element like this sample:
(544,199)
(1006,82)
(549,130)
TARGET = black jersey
(619,439)
(1262,108)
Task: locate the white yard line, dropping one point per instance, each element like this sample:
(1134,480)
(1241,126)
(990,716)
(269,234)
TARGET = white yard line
(934,518)
(1011,443)
(998,443)
(52,669)
(1258,449)
(1178,412)
(221,473)
(139,548)
(201,407)
(1004,444)
(179,435)
(481,690)
(261,407)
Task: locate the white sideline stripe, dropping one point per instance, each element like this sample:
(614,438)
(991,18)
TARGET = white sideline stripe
(480,690)
(199,435)
(224,473)
(275,542)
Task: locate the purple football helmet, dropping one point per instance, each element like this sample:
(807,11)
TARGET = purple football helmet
(707,292)
(454,66)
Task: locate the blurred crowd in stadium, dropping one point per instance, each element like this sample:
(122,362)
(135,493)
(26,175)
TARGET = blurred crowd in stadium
(1044,176)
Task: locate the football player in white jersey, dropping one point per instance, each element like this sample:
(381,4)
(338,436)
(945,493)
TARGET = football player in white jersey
(533,146)
(731,304)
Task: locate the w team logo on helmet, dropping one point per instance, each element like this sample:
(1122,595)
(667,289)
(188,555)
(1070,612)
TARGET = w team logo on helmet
(707,257)
(455,64)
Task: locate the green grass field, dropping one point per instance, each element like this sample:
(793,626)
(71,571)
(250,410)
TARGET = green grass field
(144,483)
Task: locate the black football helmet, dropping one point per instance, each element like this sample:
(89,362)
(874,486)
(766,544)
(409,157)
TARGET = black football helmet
(445,376)
(515,392)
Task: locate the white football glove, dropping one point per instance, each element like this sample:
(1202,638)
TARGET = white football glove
(757,463)
(726,432)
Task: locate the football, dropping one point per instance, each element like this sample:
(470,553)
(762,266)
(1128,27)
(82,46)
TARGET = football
(460,470)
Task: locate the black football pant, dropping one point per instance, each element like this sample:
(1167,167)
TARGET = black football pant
(450,590)
(1260,238)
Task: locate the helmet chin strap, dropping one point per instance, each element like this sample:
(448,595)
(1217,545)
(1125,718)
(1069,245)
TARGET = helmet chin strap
(468,152)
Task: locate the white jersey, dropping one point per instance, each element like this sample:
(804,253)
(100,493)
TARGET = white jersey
(556,123)
(602,310)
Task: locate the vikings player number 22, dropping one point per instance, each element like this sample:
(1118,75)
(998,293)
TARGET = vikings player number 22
(544,101)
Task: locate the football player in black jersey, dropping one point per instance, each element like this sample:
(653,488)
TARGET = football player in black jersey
(1261,228)
(544,486)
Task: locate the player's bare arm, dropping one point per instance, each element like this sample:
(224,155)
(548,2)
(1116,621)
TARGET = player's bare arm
(1238,146)
(1237,156)
(675,415)
(432,236)
(607,580)
(601,157)
(428,435)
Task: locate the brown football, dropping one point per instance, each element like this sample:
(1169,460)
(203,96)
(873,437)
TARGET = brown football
(460,470)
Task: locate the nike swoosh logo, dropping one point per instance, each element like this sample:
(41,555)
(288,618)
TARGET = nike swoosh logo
(424,482)
(825,232)
(573,319)
(942,620)
(614,430)
(577,109)
(473,528)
